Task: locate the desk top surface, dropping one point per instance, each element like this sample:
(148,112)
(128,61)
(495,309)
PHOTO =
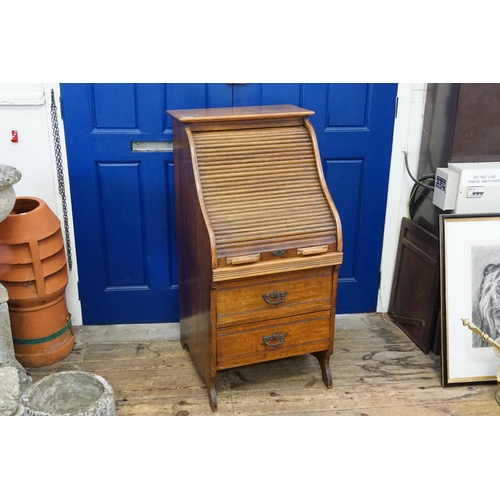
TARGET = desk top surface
(239,113)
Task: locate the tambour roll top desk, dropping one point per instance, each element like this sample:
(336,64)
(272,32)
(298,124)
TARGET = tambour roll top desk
(259,238)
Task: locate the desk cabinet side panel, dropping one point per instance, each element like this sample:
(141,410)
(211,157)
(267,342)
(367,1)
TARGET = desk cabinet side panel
(194,261)
(323,184)
(335,282)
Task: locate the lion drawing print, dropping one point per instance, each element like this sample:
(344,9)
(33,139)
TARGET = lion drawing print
(489,304)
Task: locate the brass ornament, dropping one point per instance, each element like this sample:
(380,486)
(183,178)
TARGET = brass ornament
(494,344)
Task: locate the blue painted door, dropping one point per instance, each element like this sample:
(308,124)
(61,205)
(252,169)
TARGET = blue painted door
(123,194)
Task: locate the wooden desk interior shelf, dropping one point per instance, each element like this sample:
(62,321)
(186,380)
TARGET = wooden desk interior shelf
(259,238)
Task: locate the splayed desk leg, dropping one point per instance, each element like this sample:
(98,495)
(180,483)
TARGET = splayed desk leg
(324,362)
(212,396)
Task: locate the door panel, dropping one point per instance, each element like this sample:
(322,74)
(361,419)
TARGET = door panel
(259,94)
(344,173)
(123,200)
(122,223)
(113,108)
(347,105)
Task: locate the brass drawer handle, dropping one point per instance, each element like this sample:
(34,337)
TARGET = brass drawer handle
(274,340)
(275,298)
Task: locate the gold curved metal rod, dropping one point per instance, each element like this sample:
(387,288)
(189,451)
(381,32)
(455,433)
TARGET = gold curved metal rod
(475,329)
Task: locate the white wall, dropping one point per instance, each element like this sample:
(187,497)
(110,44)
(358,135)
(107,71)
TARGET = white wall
(26,108)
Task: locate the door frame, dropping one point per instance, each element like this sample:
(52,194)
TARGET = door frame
(407,136)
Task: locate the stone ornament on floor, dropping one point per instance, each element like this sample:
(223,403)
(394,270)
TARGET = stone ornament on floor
(7,355)
(9,392)
(69,393)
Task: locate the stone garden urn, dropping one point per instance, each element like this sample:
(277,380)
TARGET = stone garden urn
(8,177)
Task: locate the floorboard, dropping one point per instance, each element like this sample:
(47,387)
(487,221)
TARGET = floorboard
(377,371)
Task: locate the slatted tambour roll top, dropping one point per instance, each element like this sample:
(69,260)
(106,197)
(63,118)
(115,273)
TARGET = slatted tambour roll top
(260,183)
(260,188)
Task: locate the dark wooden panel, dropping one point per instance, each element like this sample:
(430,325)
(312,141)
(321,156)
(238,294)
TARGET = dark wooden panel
(477,123)
(439,124)
(414,304)
(195,263)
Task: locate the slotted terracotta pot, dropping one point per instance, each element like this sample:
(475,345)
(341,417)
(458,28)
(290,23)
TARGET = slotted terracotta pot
(33,269)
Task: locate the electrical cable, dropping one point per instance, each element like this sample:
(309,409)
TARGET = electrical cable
(410,174)
(421,182)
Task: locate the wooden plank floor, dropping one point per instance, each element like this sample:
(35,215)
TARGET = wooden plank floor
(377,370)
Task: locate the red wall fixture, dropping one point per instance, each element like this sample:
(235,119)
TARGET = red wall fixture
(34,271)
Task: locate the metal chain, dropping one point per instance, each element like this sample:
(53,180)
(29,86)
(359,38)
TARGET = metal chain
(60,175)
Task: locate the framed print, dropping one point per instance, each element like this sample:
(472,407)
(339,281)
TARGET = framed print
(470,289)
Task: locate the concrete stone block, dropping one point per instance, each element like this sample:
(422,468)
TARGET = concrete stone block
(7,355)
(9,392)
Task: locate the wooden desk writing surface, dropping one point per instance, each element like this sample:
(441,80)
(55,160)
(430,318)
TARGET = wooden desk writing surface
(259,238)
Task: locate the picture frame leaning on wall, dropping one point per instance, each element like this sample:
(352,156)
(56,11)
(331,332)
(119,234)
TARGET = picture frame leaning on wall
(470,288)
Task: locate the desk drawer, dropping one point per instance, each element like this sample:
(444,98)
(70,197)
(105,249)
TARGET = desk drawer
(266,298)
(256,342)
